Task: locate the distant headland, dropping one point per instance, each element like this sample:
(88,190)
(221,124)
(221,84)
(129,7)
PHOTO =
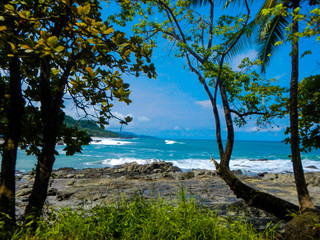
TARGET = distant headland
(95,131)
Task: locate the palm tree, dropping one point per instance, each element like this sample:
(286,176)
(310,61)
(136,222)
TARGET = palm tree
(270,29)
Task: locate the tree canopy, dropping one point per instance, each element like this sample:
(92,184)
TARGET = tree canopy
(52,51)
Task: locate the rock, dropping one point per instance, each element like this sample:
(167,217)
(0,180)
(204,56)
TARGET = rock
(64,196)
(187,175)
(24,192)
(261,174)
(89,187)
(312,167)
(237,172)
(53,192)
(70,183)
(69,176)
(270,176)
(24,186)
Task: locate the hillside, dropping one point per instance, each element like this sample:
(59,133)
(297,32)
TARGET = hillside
(93,129)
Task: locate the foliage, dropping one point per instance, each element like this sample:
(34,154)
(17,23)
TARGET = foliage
(309,105)
(142,219)
(90,126)
(86,58)
(204,42)
(309,113)
(309,132)
(309,21)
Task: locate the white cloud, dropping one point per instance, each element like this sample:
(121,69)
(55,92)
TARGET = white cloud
(280,76)
(204,103)
(176,128)
(143,119)
(235,61)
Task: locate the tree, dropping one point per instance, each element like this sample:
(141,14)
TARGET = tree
(205,43)
(72,52)
(272,21)
(11,109)
(273,27)
(309,112)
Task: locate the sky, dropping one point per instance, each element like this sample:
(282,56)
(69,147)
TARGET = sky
(175,105)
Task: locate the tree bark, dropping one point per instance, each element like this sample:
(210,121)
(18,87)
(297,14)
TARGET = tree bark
(52,119)
(254,198)
(225,160)
(14,112)
(302,190)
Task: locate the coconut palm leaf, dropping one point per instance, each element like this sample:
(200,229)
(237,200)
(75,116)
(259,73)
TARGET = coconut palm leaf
(272,32)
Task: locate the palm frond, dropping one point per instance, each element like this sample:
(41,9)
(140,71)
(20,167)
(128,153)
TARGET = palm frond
(235,3)
(196,3)
(273,32)
(199,2)
(253,29)
(247,40)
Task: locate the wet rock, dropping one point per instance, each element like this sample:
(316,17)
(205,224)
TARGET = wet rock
(87,187)
(187,175)
(312,167)
(70,183)
(270,176)
(23,192)
(53,192)
(64,196)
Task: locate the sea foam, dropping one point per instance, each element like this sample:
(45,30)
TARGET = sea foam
(109,141)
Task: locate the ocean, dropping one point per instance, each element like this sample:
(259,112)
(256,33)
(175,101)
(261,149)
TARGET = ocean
(251,157)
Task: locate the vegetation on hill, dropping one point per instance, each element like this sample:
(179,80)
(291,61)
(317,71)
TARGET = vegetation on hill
(95,131)
(91,127)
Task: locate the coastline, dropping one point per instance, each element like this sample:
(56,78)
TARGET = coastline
(95,186)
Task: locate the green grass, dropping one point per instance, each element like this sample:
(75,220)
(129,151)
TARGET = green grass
(141,219)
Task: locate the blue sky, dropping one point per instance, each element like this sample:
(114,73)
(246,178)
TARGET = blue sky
(175,105)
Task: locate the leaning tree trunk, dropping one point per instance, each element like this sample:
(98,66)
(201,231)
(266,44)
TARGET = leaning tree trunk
(302,190)
(14,112)
(254,198)
(52,119)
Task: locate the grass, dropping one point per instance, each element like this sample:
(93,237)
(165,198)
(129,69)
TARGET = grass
(140,219)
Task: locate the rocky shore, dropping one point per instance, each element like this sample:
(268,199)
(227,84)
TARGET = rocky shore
(90,187)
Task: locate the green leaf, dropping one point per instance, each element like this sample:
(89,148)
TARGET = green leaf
(108,31)
(52,40)
(307,52)
(59,49)
(86,9)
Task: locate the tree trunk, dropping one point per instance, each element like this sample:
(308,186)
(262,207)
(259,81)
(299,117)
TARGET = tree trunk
(254,198)
(52,119)
(302,190)
(225,160)
(14,113)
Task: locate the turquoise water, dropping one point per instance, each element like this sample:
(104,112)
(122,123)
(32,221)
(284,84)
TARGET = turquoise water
(248,156)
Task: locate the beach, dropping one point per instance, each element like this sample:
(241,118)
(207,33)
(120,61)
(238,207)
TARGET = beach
(89,187)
